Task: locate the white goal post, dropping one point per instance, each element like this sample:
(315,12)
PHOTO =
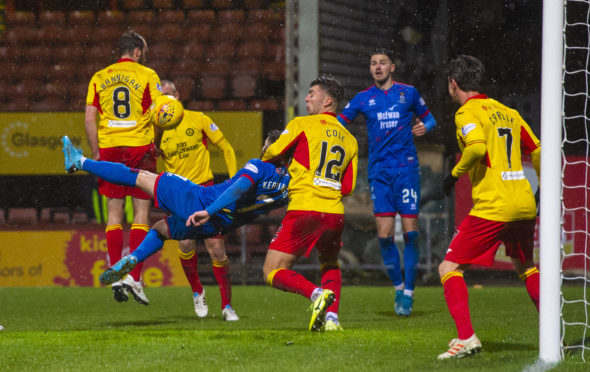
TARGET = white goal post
(550,213)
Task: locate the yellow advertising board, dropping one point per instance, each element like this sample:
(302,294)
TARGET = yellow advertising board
(31,141)
(74,258)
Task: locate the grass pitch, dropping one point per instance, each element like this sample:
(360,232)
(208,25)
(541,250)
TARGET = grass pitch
(54,329)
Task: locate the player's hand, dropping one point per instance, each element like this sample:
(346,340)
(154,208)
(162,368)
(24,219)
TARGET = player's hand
(419,129)
(198,218)
(448,183)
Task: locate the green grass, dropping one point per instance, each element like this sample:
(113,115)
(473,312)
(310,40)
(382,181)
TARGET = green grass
(85,329)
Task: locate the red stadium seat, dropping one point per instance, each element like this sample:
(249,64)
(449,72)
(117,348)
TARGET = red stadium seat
(21,36)
(106,35)
(186,66)
(28,88)
(68,53)
(275,52)
(133,4)
(200,105)
(161,66)
(40,54)
(145,30)
(194,4)
(17,103)
(194,50)
(256,31)
(250,66)
(201,17)
(198,33)
(140,17)
(22,216)
(222,4)
(110,18)
(88,69)
(20,18)
(226,32)
(277,34)
(61,71)
(52,18)
(253,4)
(79,35)
(185,85)
(81,18)
(7,71)
(251,49)
(263,104)
(222,49)
(162,50)
(163,4)
(175,17)
(77,92)
(50,103)
(216,66)
(101,53)
(169,32)
(51,35)
(231,16)
(33,70)
(213,86)
(244,86)
(274,71)
(232,105)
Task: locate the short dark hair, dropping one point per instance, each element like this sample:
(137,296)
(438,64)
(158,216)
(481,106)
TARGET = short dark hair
(468,72)
(387,52)
(331,86)
(129,41)
(273,135)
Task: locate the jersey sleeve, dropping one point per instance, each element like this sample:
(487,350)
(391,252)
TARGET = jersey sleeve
(528,141)
(254,170)
(92,98)
(419,105)
(212,131)
(287,141)
(349,178)
(469,129)
(350,111)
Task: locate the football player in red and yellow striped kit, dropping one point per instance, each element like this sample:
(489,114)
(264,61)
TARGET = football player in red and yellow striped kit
(492,139)
(185,152)
(323,169)
(120,95)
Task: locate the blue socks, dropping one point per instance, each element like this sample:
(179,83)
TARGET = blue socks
(150,245)
(391,260)
(411,256)
(117,173)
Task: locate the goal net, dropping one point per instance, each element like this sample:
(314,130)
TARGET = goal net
(575,203)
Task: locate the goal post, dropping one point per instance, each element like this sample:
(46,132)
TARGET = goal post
(551,191)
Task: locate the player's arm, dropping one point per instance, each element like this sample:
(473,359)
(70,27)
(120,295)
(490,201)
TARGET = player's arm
(425,122)
(350,111)
(92,130)
(158,132)
(349,178)
(218,139)
(530,144)
(287,140)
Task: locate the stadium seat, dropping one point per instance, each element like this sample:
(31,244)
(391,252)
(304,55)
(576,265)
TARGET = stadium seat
(194,4)
(79,36)
(51,35)
(50,103)
(263,104)
(7,74)
(51,18)
(163,4)
(231,16)
(215,66)
(185,86)
(140,17)
(61,71)
(253,4)
(101,53)
(17,104)
(244,86)
(175,17)
(250,66)
(194,50)
(275,52)
(22,216)
(251,49)
(201,105)
(226,32)
(232,105)
(144,30)
(20,18)
(81,18)
(222,4)
(110,18)
(169,33)
(274,71)
(106,35)
(161,66)
(21,36)
(196,32)
(277,34)
(133,4)
(40,54)
(68,53)
(201,17)
(186,66)
(222,49)
(162,50)
(28,88)
(265,16)
(256,31)
(212,86)
(87,70)
(33,70)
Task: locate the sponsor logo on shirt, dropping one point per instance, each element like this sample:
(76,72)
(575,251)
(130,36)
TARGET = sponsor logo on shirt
(467,128)
(347,105)
(325,183)
(371,102)
(122,123)
(251,167)
(213,127)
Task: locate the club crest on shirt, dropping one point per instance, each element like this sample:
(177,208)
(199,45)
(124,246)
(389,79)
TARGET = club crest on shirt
(371,102)
(190,132)
(159,87)
(402,97)
(213,127)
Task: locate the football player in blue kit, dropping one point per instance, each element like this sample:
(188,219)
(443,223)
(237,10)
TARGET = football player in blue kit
(255,189)
(389,108)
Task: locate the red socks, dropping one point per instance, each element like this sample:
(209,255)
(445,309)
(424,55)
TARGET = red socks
(332,280)
(114,235)
(531,280)
(223,277)
(136,236)
(457,299)
(290,281)
(189,265)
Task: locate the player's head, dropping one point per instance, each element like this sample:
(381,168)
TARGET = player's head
(325,95)
(465,73)
(133,45)
(169,89)
(272,136)
(382,65)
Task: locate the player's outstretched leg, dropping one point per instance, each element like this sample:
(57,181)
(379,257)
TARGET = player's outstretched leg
(318,308)
(229,314)
(119,270)
(461,348)
(119,292)
(136,289)
(72,155)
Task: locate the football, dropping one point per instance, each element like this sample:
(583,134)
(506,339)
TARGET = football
(167,112)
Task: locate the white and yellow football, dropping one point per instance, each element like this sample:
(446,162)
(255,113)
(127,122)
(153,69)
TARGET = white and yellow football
(167,112)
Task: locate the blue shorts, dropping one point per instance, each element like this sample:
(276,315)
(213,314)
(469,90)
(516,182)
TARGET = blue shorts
(181,197)
(396,191)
